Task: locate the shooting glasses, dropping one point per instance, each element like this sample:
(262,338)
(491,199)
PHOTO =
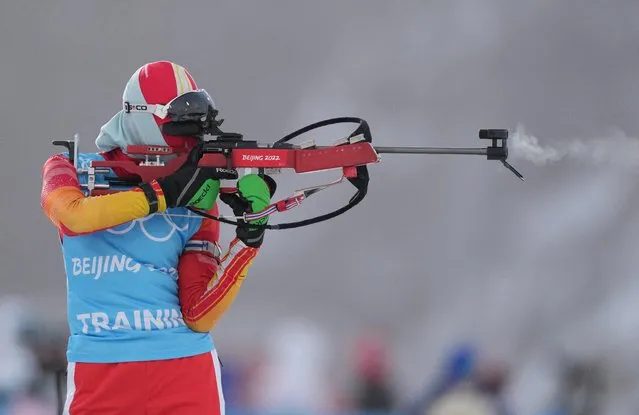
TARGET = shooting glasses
(192,113)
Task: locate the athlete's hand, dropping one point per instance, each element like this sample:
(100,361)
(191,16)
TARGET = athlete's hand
(253,195)
(194,186)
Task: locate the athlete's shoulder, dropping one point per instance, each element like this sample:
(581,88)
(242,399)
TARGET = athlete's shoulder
(84,159)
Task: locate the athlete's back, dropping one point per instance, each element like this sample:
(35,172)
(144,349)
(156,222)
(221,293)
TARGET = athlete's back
(123,288)
(146,278)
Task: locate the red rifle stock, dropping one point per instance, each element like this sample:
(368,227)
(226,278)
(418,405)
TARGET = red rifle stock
(347,157)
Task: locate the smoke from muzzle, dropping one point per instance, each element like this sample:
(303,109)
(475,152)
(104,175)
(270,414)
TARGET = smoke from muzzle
(614,149)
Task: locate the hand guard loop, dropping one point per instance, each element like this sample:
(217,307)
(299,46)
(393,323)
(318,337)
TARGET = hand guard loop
(360,182)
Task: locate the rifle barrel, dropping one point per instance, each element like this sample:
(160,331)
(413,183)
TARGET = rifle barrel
(431,150)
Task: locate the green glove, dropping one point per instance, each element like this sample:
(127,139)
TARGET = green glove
(255,190)
(253,195)
(204,198)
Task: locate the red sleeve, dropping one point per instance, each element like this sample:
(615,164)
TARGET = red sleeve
(208,280)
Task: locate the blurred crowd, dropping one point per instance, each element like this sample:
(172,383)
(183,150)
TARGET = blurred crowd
(291,374)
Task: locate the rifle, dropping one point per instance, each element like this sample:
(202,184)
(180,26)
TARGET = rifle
(230,150)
